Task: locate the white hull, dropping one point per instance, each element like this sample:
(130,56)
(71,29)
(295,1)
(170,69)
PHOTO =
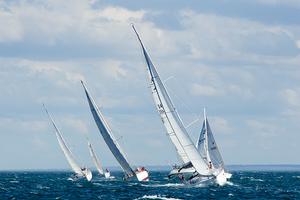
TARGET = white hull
(142,174)
(87,174)
(185,175)
(182,171)
(107,174)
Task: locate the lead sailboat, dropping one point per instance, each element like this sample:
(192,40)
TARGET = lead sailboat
(140,173)
(209,150)
(188,153)
(80,172)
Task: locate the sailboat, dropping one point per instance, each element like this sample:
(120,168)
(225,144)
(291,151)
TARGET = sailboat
(209,150)
(79,171)
(186,149)
(97,163)
(140,173)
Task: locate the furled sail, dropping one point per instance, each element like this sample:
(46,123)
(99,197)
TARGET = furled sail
(107,135)
(207,146)
(68,154)
(171,120)
(95,159)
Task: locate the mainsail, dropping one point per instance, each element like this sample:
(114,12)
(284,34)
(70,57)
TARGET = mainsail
(171,120)
(107,135)
(207,146)
(95,159)
(68,154)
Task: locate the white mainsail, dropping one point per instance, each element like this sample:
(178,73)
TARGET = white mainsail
(208,148)
(171,120)
(67,152)
(95,159)
(107,135)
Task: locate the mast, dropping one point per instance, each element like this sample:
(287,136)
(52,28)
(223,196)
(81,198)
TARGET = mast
(206,137)
(171,120)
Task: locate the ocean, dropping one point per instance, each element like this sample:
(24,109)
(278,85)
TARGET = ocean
(244,184)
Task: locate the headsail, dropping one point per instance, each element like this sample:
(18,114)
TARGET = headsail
(68,154)
(107,135)
(95,159)
(207,146)
(171,120)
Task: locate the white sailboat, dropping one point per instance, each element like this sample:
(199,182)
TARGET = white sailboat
(192,160)
(209,151)
(97,163)
(80,172)
(141,173)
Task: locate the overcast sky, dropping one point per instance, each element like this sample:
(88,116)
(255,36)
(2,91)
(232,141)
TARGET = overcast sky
(239,59)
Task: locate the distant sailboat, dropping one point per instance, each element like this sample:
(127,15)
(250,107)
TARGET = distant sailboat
(80,172)
(193,163)
(209,150)
(140,173)
(97,163)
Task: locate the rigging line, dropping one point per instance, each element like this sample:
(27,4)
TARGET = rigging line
(170,77)
(193,122)
(186,106)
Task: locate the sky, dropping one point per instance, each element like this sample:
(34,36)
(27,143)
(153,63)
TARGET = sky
(238,59)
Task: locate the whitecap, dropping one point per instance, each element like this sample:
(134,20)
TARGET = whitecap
(231,184)
(165,185)
(14,181)
(157,197)
(256,179)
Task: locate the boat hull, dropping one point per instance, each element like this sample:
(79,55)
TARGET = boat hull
(142,174)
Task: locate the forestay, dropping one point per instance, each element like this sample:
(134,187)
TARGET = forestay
(107,135)
(171,120)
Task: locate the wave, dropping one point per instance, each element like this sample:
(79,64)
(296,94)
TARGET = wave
(232,184)
(157,197)
(14,181)
(252,178)
(165,185)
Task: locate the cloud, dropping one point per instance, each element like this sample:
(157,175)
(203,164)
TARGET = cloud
(76,124)
(218,37)
(204,90)
(119,14)
(22,126)
(291,96)
(290,3)
(54,23)
(220,125)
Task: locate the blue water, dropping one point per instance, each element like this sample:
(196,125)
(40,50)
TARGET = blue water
(58,185)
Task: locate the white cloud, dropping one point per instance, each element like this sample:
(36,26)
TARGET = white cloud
(216,37)
(25,126)
(113,68)
(290,3)
(219,125)
(76,124)
(64,22)
(292,97)
(263,128)
(120,14)
(205,90)
(298,43)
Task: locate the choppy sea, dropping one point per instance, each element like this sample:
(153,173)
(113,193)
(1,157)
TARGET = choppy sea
(59,185)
